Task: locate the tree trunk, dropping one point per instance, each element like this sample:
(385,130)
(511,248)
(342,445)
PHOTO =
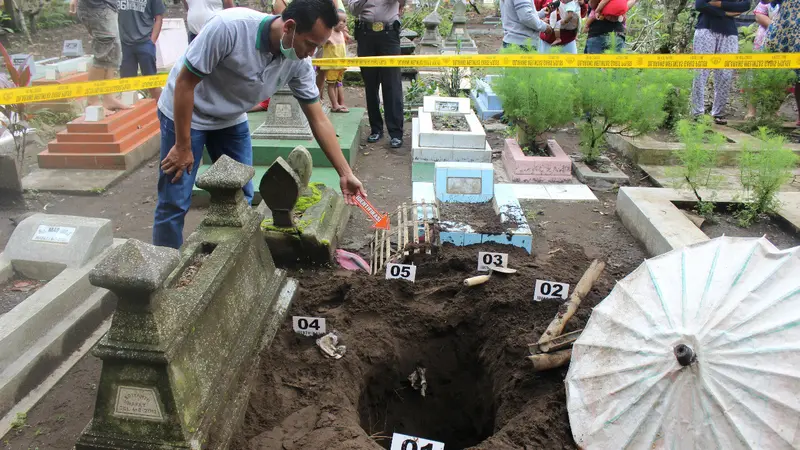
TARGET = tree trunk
(31,22)
(22,25)
(13,21)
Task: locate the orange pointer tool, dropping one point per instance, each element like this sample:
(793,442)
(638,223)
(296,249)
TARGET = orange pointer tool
(381,221)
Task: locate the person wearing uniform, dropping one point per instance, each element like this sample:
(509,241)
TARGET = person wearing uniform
(241,57)
(378,34)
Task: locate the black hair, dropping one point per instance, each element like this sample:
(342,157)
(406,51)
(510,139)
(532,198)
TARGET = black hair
(306,12)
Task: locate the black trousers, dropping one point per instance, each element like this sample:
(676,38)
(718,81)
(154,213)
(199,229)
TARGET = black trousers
(382,43)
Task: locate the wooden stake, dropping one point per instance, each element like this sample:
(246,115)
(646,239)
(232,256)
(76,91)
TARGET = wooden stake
(399,235)
(387,237)
(547,361)
(425,225)
(379,250)
(415,230)
(374,257)
(405,220)
(583,287)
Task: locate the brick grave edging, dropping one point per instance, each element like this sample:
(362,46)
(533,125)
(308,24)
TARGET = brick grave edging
(536,169)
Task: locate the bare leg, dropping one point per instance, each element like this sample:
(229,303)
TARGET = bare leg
(95,74)
(751,112)
(334,97)
(110,102)
(340,95)
(797,99)
(558,37)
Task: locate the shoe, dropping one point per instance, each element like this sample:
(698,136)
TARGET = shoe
(719,120)
(396,142)
(374,137)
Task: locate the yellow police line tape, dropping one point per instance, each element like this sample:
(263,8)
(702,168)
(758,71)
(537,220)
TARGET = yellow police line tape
(567,61)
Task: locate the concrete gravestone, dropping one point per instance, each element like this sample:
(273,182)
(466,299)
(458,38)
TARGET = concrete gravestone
(41,331)
(73,48)
(431,42)
(459,40)
(184,343)
(285,119)
(300,229)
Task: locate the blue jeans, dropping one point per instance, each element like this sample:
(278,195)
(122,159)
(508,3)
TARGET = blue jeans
(602,43)
(138,56)
(174,199)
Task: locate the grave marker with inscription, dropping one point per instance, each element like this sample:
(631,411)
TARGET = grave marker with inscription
(285,119)
(174,375)
(73,48)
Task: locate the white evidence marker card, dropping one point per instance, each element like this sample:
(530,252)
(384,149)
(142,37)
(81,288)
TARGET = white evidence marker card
(308,326)
(401,271)
(548,290)
(406,442)
(487,260)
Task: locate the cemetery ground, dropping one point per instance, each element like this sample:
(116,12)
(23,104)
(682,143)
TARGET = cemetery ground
(473,341)
(482,391)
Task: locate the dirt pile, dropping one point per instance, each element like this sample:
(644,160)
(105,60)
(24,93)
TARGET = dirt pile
(481,391)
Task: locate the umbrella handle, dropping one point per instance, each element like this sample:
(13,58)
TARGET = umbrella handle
(684,354)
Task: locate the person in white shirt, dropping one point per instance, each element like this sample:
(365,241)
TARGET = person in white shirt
(199,11)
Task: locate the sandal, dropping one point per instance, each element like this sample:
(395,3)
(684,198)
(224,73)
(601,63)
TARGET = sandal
(720,121)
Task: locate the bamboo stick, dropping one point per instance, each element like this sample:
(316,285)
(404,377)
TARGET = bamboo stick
(405,227)
(388,246)
(372,255)
(399,236)
(583,287)
(415,230)
(425,225)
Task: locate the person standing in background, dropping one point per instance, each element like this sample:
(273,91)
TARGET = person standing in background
(715,32)
(100,19)
(199,11)
(522,23)
(378,34)
(139,27)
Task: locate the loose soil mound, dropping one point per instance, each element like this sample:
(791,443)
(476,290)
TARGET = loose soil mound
(481,392)
(480,216)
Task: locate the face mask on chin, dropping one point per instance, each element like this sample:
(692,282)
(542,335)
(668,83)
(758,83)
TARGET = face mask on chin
(289,53)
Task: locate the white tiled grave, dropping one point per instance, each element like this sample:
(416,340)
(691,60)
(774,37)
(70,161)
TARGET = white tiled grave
(431,145)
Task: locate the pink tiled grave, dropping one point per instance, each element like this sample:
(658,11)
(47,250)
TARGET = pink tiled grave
(536,169)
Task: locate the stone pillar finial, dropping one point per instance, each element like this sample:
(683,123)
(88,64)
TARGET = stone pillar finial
(431,41)
(224,181)
(301,162)
(134,271)
(280,188)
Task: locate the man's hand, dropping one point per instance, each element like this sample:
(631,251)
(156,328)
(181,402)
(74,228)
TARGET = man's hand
(177,161)
(73,7)
(351,187)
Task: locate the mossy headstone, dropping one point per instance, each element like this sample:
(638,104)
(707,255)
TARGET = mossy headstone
(184,343)
(304,221)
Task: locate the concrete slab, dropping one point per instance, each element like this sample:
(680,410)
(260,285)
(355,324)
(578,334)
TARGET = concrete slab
(436,154)
(578,192)
(661,176)
(72,181)
(37,335)
(586,175)
(647,150)
(653,219)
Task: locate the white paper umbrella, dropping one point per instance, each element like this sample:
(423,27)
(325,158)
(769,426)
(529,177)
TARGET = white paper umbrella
(698,348)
